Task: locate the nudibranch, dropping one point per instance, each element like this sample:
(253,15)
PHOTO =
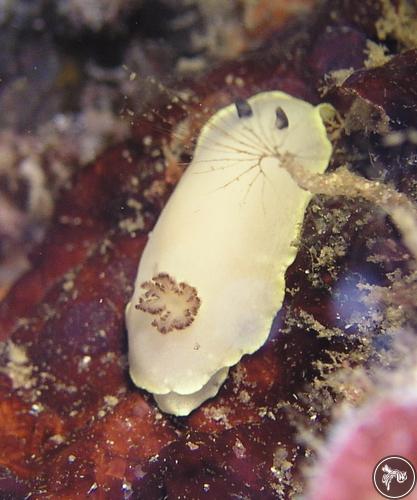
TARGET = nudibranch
(212,276)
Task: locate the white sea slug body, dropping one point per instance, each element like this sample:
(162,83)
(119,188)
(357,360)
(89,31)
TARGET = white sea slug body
(212,276)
